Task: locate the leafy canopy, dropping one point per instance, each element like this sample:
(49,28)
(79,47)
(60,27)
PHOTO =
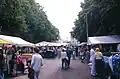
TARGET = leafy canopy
(102,17)
(26,19)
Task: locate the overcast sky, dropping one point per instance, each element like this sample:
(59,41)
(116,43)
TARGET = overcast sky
(62,14)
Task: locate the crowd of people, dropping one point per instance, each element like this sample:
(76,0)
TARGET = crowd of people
(11,59)
(105,64)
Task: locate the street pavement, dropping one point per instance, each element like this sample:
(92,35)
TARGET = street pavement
(52,70)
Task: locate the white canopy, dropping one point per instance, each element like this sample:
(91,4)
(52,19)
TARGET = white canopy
(57,44)
(16,40)
(44,43)
(104,39)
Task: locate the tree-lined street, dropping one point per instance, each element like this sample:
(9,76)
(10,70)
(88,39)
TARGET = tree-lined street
(34,29)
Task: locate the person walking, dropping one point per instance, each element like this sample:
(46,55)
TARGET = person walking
(69,53)
(64,58)
(36,63)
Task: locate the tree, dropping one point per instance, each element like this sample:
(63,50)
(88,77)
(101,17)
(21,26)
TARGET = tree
(102,16)
(12,19)
(26,19)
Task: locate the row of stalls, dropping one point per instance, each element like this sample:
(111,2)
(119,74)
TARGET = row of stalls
(24,50)
(26,46)
(49,49)
(110,47)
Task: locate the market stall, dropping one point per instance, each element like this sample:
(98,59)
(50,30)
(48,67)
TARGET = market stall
(14,46)
(114,39)
(109,46)
(16,41)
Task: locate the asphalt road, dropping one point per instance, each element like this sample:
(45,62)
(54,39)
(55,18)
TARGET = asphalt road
(52,70)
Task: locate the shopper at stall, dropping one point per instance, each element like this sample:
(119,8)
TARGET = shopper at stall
(10,53)
(1,64)
(9,57)
(36,63)
(13,66)
(99,64)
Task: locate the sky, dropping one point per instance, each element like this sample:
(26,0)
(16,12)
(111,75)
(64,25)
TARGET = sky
(62,14)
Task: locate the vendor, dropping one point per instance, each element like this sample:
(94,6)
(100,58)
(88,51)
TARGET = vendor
(10,53)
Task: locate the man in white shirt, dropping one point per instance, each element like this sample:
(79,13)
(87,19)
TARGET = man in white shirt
(92,56)
(64,57)
(36,63)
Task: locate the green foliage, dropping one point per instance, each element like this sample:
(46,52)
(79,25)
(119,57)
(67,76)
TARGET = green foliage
(26,19)
(102,16)
(12,19)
